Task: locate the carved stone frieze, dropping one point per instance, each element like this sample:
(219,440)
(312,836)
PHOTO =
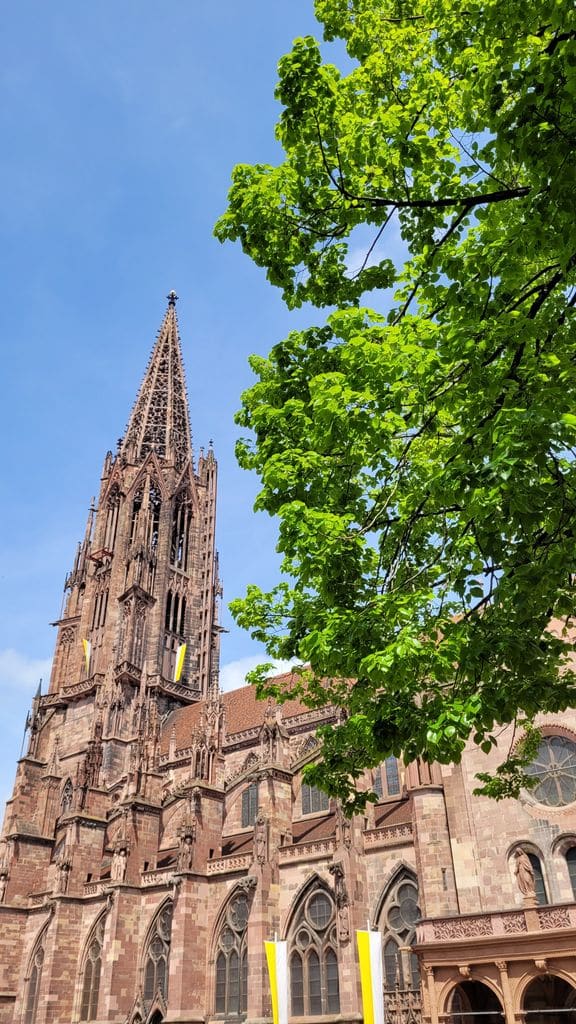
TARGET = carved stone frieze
(514,923)
(554,918)
(466,928)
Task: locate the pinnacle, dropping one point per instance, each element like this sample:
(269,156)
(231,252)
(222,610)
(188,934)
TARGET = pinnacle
(159,420)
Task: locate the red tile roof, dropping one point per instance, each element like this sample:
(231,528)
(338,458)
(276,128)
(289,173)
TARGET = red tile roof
(393,812)
(242,712)
(313,829)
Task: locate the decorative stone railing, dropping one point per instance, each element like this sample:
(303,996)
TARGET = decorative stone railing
(223,865)
(38,899)
(190,693)
(163,876)
(387,835)
(77,689)
(495,925)
(306,851)
(93,888)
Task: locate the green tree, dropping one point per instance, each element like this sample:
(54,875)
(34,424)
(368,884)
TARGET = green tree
(420,453)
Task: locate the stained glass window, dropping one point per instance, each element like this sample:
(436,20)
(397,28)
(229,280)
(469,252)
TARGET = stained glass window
(33,992)
(571,862)
(314,800)
(398,918)
(91,980)
(157,956)
(314,979)
(232,958)
(554,767)
(249,805)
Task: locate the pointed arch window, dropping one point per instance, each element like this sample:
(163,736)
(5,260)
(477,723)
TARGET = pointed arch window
(181,522)
(232,958)
(136,506)
(386,779)
(91,974)
(314,800)
(157,956)
(313,960)
(34,980)
(112,509)
(398,918)
(571,865)
(249,805)
(155,506)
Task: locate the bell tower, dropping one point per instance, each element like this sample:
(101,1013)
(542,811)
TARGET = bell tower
(144,581)
(138,638)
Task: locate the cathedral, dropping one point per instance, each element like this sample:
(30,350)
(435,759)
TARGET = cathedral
(159,830)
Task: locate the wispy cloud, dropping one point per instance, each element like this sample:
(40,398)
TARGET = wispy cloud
(20,672)
(233,674)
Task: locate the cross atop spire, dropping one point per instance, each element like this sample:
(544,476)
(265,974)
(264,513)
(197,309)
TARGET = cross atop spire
(159,420)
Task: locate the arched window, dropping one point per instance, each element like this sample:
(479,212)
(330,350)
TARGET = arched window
(471,1001)
(181,521)
(67,795)
(136,506)
(249,805)
(157,956)
(313,962)
(539,883)
(571,864)
(314,800)
(34,979)
(91,977)
(398,917)
(232,958)
(386,779)
(154,507)
(549,998)
(112,508)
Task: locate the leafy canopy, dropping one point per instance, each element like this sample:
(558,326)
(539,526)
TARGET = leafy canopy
(420,453)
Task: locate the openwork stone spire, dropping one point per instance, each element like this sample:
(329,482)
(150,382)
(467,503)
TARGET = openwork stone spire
(159,420)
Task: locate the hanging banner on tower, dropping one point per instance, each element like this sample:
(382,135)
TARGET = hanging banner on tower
(180,655)
(370,957)
(87,652)
(277,957)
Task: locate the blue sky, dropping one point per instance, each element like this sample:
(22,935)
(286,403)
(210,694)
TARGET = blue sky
(121,123)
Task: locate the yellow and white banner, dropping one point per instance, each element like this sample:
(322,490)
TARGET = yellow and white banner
(87,652)
(277,957)
(180,655)
(370,956)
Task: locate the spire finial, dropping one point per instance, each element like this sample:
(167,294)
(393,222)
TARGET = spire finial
(159,419)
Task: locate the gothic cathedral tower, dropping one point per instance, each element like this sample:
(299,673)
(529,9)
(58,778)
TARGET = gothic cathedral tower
(143,589)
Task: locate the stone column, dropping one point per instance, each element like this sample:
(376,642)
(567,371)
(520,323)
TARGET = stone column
(506,991)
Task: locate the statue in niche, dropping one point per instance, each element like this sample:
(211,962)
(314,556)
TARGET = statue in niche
(261,838)
(342,903)
(185,850)
(524,874)
(119,864)
(63,867)
(3,884)
(343,828)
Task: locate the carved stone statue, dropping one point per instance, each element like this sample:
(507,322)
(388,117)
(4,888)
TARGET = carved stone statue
(342,903)
(524,873)
(261,838)
(343,828)
(62,877)
(119,864)
(343,915)
(186,851)
(3,884)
